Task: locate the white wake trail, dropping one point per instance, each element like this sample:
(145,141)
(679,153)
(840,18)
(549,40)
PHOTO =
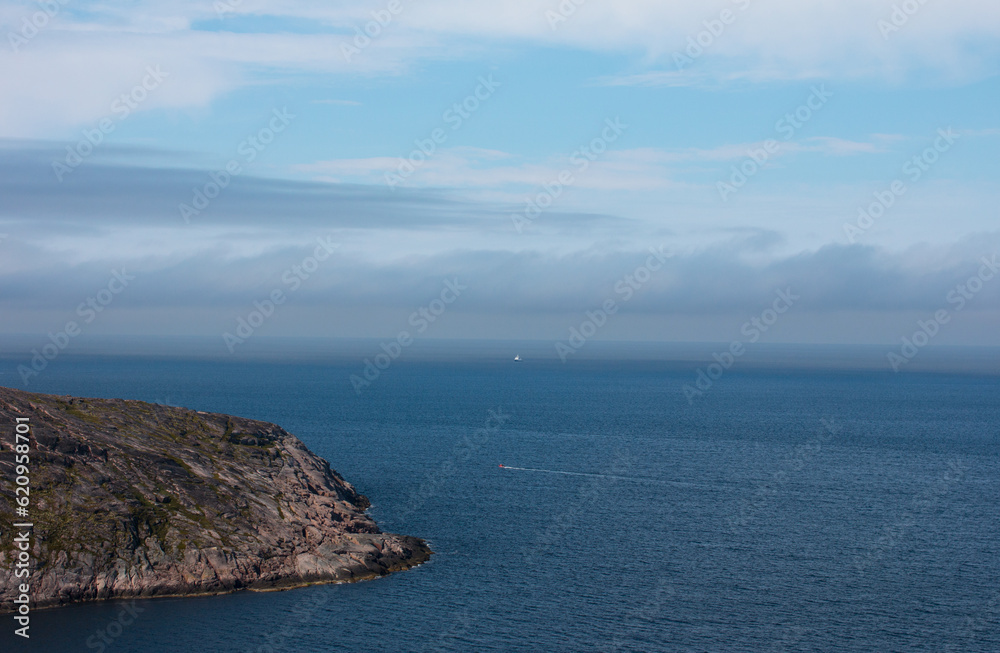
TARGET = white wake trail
(635,479)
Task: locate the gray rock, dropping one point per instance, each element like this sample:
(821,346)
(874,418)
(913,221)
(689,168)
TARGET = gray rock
(130,499)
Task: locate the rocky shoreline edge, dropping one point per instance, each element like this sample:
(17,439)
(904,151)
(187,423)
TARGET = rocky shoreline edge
(136,500)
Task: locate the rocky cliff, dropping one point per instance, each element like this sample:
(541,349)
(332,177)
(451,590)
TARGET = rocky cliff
(130,499)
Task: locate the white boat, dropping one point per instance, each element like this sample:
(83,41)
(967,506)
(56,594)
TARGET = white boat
(517,358)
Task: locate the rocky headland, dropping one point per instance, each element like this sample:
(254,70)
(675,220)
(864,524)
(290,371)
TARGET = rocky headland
(130,499)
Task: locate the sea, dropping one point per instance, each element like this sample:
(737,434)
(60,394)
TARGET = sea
(809,500)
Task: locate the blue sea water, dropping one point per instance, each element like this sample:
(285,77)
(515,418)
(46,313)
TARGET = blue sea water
(785,510)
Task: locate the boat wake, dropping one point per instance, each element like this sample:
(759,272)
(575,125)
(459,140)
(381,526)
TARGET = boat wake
(637,479)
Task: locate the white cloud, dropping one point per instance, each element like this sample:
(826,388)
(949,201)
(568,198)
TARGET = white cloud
(470,167)
(616,170)
(69,72)
(70,77)
(342,103)
(766,38)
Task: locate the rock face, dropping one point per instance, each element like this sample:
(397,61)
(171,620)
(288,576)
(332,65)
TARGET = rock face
(130,499)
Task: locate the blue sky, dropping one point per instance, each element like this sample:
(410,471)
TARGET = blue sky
(547,89)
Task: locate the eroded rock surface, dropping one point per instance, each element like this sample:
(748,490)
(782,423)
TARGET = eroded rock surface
(130,499)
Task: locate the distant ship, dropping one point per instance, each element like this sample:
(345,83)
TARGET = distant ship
(517,358)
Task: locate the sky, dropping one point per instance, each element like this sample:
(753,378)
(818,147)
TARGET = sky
(509,168)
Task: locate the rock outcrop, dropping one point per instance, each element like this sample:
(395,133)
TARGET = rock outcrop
(130,499)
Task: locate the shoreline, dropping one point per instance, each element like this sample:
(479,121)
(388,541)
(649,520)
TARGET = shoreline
(277,587)
(131,500)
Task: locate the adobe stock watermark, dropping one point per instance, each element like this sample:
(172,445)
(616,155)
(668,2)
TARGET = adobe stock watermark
(461,454)
(753,328)
(960,295)
(790,638)
(593,490)
(651,610)
(249,149)
(455,116)
(288,630)
(899,17)
(226,7)
(787,126)
(421,319)
(699,43)
(802,454)
(122,107)
(973,626)
(562,12)
(264,309)
(32,25)
(927,502)
(914,170)
(449,639)
(106,636)
(580,161)
(363,37)
(87,310)
(626,288)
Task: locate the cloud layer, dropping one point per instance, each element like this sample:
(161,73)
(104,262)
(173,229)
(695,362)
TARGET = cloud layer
(86,53)
(204,250)
(63,241)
